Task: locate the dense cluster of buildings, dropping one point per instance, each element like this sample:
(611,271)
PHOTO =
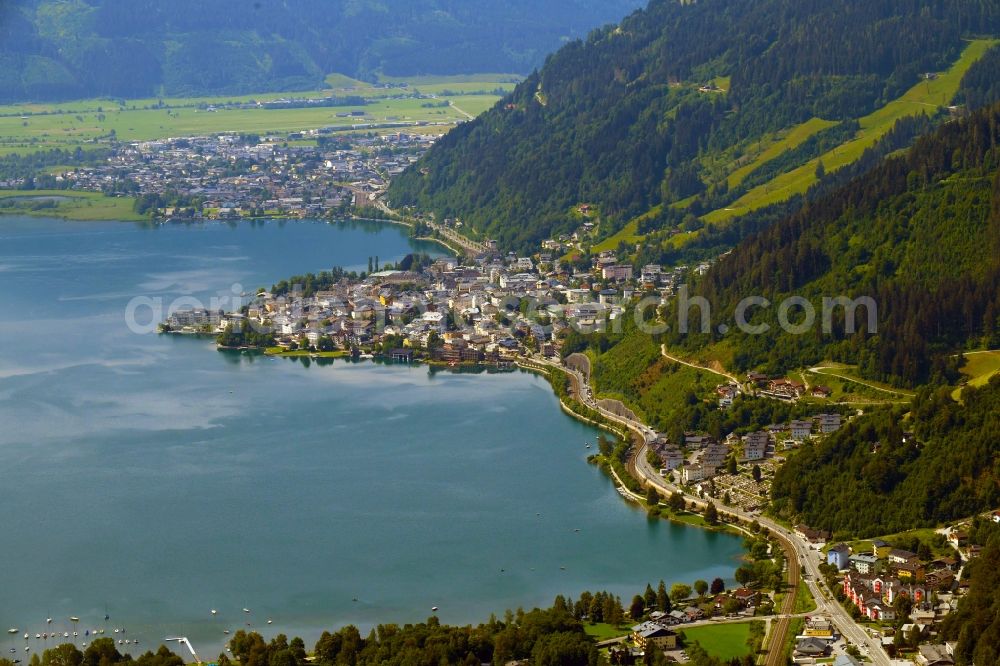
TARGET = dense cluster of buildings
(701,457)
(231,176)
(483,310)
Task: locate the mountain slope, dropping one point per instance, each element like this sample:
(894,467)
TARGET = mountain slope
(64,49)
(920,235)
(619,120)
(919,480)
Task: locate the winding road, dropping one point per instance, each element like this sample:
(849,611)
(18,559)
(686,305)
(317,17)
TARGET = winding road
(799,553)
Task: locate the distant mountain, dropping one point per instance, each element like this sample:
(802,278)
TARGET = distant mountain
(638,115)
(62,49)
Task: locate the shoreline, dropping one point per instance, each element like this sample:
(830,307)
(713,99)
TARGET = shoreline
(125,216)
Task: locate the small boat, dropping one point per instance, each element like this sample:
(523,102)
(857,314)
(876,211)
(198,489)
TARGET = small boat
(215,612)
(246,610)
(562,568)
(74,618)
(225,631)
(434,609)
(116,631)
(577,529)
(135,642)
(26,637)
(38,635)
(76,635)
(121,642)
(65,634)
(270,621)
(12,630)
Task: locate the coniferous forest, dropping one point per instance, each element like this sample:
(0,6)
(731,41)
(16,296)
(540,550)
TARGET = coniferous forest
(614,121)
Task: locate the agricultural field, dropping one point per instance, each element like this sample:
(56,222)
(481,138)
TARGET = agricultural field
(29,127)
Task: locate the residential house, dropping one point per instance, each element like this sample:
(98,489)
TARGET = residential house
(934,655)
(693,473)
(810,646)
(617,272)
(820,391)
(755,445)
(654,635)
(899,556)
(811,535)
(800,429)
(828,423)
(864,563)
(839,556)
(881,548)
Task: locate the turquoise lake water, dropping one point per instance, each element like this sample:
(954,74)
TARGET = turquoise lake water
(158,478)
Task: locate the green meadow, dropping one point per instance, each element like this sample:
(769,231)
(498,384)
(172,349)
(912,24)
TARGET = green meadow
(923,98)
(722,641)
(979,367)
(29,127)
(70,204)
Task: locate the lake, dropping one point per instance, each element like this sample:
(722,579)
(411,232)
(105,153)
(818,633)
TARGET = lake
(154,478)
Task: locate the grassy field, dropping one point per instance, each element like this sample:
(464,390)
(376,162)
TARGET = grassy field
(722,641)
(68,204)
(29,127)
(926,535)
(845,389)
(784,141)
(629,234)
(829,373)
(804,602)
(978,368)
(925,98)
(602,631)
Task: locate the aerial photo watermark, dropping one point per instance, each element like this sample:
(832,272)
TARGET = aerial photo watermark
(294,312)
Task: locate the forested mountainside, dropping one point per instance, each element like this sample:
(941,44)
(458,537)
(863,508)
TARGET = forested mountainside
(637,116)
(919,234)
(976,624)
(885,473)
(65,49)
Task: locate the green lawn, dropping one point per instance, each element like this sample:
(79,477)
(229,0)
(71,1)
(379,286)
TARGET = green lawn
(722,641)
(923,98)
(603,631)
(79,206)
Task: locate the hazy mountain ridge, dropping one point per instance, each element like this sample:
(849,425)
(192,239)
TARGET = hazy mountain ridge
(63,49)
